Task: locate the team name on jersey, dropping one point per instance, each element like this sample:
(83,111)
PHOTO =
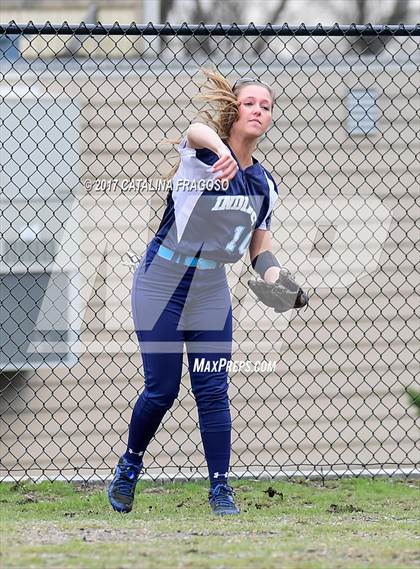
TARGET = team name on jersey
(239,203)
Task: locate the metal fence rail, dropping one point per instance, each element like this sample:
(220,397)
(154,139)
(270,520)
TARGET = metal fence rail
(83,111)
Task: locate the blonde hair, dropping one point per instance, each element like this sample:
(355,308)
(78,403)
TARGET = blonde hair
(219,95)
(222,98)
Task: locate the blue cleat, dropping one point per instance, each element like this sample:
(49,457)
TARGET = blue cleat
(122,488)
(221,500)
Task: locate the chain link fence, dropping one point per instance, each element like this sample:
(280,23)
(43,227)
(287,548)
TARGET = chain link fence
(319,392)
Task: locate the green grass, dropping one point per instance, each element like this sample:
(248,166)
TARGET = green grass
(348,524)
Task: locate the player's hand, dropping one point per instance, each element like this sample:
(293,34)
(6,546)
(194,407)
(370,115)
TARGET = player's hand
(226,167)
(272,274)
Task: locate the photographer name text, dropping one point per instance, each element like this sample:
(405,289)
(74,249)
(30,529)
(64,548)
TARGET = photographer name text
(140,185)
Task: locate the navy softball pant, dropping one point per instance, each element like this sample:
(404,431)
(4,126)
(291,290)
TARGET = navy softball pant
(173,305)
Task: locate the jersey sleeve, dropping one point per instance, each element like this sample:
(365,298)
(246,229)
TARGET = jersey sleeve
(185,150)
(186,186)
(272,199)
(203,155)
(192,166)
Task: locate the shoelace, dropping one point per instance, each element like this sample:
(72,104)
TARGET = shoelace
(125,482)
(222,496)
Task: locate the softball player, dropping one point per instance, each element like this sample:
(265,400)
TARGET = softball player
(220,205)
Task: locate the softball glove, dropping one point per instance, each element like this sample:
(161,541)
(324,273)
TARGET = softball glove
(282,295)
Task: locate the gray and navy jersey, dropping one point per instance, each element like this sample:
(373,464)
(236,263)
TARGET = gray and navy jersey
(203,220)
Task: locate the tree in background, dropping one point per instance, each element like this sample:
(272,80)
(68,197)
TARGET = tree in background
(224,12)
(370,11)
(414,398)
(165,9)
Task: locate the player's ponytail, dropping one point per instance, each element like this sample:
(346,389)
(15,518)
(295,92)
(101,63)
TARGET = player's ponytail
(221,108)
(218,94)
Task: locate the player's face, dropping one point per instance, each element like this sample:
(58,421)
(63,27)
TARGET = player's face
(255,111)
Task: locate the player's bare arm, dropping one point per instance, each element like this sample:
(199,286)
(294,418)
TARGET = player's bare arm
(261,241)
(199,135)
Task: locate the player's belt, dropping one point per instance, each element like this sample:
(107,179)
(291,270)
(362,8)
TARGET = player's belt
(198,262)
